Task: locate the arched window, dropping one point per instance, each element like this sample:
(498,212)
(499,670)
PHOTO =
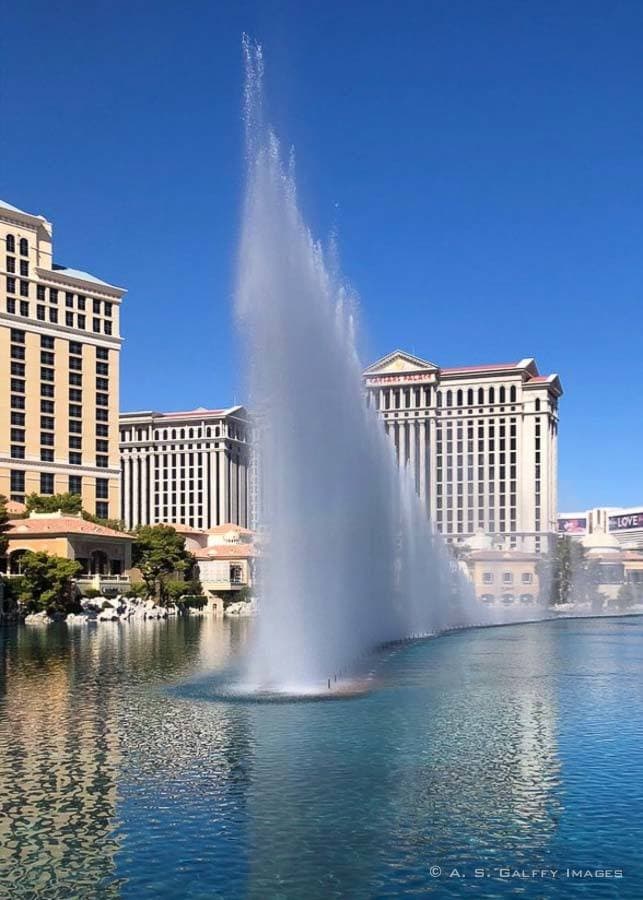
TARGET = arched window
(208,432)
(165,434)
(492,395)
(449,398)
(236,575)
(480,397)
(439,398)
(183,434)
(217,431)
(470,397)
(173,434)
(538,404)
(24,247)
(512,393)
(527,598)
(11,244)
(459,399)
(507,598)
(503,395)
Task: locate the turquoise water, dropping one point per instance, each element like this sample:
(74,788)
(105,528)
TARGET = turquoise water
(483,756)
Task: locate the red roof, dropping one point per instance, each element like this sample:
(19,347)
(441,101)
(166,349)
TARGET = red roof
(227,551)
(61,525)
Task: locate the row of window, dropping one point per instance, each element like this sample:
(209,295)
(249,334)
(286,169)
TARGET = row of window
(23,268)
(23,245)
(508,578)
(180,434)
(21,307)
(47,486)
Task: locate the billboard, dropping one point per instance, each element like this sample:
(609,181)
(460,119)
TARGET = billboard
(626,521)
(572,526)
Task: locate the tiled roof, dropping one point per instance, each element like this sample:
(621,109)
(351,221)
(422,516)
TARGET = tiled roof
(61,525)
(228,526)
(227,551)
(14,508)
(181,528)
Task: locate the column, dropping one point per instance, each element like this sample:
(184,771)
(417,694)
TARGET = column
(422,464)
(222,484)
(126,488)
(135,490)
(402,435)
(412,454)
(144,488)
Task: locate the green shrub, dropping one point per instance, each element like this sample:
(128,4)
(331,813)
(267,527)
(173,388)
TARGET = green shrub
(90,593)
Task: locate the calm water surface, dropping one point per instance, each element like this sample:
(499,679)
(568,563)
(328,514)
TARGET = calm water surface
(504,750)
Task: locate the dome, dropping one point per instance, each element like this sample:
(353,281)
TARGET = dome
(600,542)
(480,541)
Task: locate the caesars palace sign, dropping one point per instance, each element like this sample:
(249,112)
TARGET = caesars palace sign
(399,379)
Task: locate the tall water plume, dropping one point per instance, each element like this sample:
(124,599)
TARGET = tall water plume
(351,560)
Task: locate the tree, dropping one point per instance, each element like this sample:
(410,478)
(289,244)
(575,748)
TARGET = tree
(160,554)
(69,504)
(629,595)
(48,583)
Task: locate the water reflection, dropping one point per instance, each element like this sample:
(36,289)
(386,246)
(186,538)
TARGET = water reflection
(475,752)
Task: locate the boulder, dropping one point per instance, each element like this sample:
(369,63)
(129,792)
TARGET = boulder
(39,618)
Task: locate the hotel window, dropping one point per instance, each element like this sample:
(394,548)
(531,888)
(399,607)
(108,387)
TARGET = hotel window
(11,264)
(46,374)
(81,321)
(102,488)
(101,462)
(46,483)
(46,358)
(11,243)
(102,384)
(11,285)
(46,439)
(108,327)
(24,308)
(108,309)
(53,296)
(18,418)
(75,458)
(75,396)
(76,427)
(40,313)
(75,442)
(17,481)
(527,578)
(102,430)
(17,386)
(46,454)
(69,320)
(81,302)
(24,247)
(75,484)
(96,307)
(24,268)
(17,402)
(102,415)
(24,288)
(47,407)
(96,325)
(46,342)
(76,348)
(76,379)
(53,315)
(75,411)
(47,422)
(18,435)
(102,446)
(40,292)
(102,400)
(507,578)
(17,352)
(75,362)
(102,509)
(17,452)
(46,390)
(11,306)
(69,299)
(102,368)
(18,368)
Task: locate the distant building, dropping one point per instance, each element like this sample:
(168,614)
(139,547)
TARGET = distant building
(225,556)
(59,352)
(625,523)
(186,468)
(506,577)
(480,441)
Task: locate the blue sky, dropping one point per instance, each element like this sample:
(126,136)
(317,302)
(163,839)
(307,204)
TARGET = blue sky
(481,162)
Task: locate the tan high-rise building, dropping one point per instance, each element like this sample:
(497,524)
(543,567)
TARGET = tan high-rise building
(480,441)
(59,349)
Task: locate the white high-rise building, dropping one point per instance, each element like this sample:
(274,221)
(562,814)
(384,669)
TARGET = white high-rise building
(188,468)
(480,441)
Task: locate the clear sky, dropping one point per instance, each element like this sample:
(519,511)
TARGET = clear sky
(480,161)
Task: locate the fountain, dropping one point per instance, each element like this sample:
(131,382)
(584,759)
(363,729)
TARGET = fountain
(352,560)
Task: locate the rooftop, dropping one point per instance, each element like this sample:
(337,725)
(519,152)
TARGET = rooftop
(80,275)
(8,206)
(57,524)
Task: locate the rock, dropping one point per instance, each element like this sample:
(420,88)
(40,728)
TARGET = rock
(108,615)
(77,619)
(242,608)
(39,618)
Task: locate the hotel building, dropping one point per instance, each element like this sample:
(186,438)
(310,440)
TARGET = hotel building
(624,523)
(480,443)
(188,468)
(59,349)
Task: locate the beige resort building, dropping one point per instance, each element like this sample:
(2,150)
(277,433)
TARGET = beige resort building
(187,468)
(481,443)
(225,556)
(59,349)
